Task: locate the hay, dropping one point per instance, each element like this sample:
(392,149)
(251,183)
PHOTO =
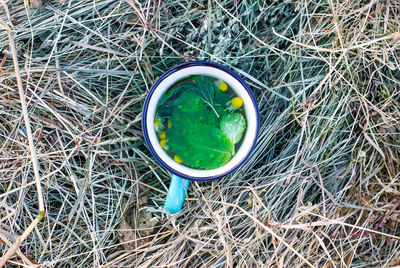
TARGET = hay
(321,189)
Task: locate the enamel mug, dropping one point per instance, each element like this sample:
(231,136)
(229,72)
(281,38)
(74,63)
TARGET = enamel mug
(181,174)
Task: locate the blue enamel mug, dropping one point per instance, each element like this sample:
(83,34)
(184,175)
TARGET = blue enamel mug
(181,174)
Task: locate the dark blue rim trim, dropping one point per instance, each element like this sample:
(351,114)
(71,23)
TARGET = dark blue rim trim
(173,70)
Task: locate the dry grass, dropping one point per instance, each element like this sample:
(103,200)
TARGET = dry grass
(321,189)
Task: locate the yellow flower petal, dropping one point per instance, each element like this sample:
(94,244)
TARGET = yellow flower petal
(162,143)
(223,86)
(177,159)
(237,102)
(169,124)
(162,136)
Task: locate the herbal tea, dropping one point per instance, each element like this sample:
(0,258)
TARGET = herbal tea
(200,122)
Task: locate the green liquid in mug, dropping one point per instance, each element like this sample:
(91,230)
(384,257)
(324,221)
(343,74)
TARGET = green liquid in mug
(200,122)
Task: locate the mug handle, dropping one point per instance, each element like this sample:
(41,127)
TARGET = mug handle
(176,194)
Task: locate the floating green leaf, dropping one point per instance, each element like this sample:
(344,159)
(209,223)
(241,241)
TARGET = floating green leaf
(188,108)
(172,92)
(168,101)
(232,126)
(205,88)
(199,145)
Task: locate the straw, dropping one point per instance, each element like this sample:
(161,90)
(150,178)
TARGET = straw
(321,188)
